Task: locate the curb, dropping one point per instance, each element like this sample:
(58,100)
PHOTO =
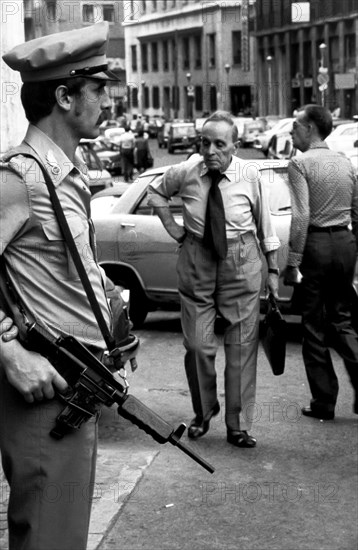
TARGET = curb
(117,474)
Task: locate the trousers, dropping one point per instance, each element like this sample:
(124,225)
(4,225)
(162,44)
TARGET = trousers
(328,269)
(209,287)
(51,482)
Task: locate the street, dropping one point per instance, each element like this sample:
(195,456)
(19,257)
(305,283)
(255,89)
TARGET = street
(296,490)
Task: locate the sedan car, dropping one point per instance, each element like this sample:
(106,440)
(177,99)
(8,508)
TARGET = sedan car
(251,132)
(344,137)
(182,135)
(263,140)
(137,253)
(99,177)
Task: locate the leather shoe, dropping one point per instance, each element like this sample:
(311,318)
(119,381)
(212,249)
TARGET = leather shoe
(198,427)
(241,439)
(327,415)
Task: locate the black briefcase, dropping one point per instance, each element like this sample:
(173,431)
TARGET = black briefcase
(274,336)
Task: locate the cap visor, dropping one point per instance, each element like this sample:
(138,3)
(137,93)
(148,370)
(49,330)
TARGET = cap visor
(108,75)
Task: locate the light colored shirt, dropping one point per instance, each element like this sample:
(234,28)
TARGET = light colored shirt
(244,198)
(127,140)
(324,192)
(39,264)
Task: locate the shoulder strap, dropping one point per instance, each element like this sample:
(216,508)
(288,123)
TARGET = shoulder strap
(66,232)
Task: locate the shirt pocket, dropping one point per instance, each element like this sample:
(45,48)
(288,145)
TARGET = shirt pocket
(58,254)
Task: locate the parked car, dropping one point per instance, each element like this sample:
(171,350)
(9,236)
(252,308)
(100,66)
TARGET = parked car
(352,154)
(109,154)
(154,125)
(182,135)
(263,140)
(281,146)
(163,135)
(240,121)
(103,201)
(99,177)
(113,134)
(136,251)
(343,137)
(251,131)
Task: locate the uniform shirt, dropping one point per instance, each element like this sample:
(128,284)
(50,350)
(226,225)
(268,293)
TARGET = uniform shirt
(324,192)
(245,200)
(39,264)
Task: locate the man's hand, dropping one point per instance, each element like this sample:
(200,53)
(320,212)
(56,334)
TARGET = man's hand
(272,284)
(8,331)
(291,276)
(29,372)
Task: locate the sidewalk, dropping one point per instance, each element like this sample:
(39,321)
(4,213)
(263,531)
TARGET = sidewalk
(118,472)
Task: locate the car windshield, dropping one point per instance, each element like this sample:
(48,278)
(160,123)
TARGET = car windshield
(275,181)
(179,131)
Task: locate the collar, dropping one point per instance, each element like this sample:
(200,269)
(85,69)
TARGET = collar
(53,158)
(322,145)
(229,173)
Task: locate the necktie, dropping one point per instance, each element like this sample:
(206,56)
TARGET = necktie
(215,227)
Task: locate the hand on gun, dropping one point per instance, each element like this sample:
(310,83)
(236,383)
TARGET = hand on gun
(28,371)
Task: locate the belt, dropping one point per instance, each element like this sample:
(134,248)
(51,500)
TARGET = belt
(329,229)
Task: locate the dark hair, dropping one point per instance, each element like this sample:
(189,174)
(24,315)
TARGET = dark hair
(320,116)
(220,116)
(38,98)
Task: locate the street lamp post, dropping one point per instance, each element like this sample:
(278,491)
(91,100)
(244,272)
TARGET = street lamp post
(323,77)
(227,68)
(190,96)
(269,73)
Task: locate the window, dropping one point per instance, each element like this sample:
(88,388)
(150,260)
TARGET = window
(212,56)
(108,12)
(134,58)
(155,95)
(146,97)
(144,7)
(88,14)
(349,51)
(186,53)
(154,56)
(144,52)
(213,102)
(236,47)
(197,52)
(164,4)
(135,96)
(174,55)
(165,55)
(176,99)
(198,98)
(154,5)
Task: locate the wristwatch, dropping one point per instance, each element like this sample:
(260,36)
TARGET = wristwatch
(274,270)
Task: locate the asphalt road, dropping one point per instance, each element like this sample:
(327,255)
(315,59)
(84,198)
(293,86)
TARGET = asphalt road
(297,490)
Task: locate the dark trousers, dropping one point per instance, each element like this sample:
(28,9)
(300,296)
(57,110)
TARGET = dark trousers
(328,270)
(51,482)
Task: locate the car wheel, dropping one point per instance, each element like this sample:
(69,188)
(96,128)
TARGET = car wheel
(170,150)
(138,303)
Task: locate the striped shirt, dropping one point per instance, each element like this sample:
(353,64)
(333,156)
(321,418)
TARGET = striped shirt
(324,192)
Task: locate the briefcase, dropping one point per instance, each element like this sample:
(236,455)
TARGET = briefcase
(274,336)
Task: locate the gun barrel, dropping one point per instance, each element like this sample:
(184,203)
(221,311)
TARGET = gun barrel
(188,451)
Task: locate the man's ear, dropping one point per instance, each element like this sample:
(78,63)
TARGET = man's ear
(64,100)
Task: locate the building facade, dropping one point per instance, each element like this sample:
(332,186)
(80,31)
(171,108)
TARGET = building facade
(307,52)
(185,59)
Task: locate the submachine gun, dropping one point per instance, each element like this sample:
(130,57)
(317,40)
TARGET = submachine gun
(91,383)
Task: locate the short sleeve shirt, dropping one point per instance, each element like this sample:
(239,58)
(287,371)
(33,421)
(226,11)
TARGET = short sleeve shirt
(39,263)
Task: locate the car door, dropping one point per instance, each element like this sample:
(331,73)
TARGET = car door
(143,243)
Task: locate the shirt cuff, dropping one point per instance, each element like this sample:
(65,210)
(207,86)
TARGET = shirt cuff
(294,259)
(272,243)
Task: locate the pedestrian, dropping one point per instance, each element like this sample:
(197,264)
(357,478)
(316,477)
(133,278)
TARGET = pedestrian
(219,272)
(323,249)
(63,94)
(142,154)
(126,147)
